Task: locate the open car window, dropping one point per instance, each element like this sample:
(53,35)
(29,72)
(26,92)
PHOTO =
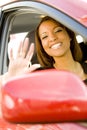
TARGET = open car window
(26,28)
(23,25)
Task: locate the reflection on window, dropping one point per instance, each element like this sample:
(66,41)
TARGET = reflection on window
(79,38)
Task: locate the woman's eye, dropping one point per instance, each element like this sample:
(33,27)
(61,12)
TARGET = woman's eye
(59,30)
(44,37)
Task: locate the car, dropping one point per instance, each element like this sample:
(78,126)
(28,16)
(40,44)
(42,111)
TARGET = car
(18,20)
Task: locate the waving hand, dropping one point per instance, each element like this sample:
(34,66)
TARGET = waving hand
(22,63)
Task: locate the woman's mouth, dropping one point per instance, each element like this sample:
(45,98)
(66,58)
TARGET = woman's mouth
(56,46)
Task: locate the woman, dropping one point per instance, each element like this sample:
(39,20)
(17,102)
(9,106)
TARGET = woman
(57,48)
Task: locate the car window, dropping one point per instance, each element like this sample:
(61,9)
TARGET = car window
(19,31)
(26,28)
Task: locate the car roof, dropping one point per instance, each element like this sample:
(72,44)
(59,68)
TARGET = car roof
(76,9)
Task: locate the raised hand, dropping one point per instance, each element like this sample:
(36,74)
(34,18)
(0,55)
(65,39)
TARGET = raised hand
(22,63)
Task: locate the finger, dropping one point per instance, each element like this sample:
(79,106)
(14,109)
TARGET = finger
(19,51)
(33,68)
(25,47)
(30,52)
(11,54)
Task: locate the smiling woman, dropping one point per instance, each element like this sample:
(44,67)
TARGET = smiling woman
(55,44)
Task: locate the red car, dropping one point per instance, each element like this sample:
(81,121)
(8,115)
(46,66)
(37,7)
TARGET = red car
(45,108)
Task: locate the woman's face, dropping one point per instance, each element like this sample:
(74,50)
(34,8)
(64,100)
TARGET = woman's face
(55,40)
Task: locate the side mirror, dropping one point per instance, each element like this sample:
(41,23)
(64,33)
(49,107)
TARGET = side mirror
(45,96)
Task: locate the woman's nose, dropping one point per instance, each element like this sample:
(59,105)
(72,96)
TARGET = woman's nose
(53,37)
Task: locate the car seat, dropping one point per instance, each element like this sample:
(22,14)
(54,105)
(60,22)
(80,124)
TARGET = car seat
(84,50)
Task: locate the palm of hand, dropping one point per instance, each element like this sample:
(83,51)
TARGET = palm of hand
(20,65)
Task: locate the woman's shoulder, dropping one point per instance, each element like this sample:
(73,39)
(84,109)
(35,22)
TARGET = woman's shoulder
(85,81)
(84,66)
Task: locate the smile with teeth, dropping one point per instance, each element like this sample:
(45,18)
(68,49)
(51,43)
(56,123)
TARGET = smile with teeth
(56,46)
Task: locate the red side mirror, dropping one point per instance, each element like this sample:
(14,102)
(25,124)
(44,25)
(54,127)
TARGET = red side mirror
(43,97)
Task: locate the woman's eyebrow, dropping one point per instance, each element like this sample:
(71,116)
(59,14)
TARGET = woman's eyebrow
(42,34)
